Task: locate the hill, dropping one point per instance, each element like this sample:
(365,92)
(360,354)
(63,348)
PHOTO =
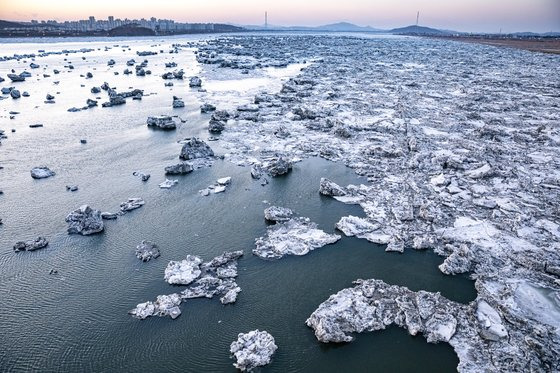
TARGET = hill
(131,30)
(222,27)
(418,30)
(9,24)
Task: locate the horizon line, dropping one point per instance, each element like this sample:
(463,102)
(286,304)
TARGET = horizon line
(443,28)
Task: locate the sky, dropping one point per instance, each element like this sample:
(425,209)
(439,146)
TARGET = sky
(460,15)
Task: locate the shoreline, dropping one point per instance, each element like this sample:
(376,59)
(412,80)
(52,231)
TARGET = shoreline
(106,35)
(540,45)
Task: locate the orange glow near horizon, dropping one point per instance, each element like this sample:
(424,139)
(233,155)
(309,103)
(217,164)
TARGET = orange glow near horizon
(462,15)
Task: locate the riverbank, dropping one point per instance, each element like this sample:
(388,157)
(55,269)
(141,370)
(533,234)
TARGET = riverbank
(126,30)
(542,45)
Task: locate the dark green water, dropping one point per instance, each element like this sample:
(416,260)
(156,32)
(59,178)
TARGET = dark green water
(77,320)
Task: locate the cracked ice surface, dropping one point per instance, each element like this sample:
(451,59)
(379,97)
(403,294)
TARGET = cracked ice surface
(252,349)
(297,236)
(476,331)
(203,280)
(461,155)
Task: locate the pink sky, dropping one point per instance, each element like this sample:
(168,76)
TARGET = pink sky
(462,15)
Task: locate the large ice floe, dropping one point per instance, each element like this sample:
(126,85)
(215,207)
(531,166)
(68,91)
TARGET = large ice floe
(203,280)
(294,236)
(374,305)
(459,158)
(485,337)
(252,349)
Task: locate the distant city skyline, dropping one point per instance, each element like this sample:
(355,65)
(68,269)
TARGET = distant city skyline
(460,15)
(95,24)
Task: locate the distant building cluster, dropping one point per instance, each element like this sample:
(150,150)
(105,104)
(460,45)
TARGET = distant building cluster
(92,25)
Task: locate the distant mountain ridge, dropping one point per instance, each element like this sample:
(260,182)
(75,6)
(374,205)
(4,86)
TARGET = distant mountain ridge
(407,30)
(345,27)
(333,27)
(350,27)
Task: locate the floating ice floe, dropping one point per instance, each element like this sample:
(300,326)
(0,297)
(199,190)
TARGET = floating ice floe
(179,169)
(41,172)
(253,349)
(278,214)
(194,148)
(296,236)
(132,204)
(178,102)
(195,82)
(143,176)
(163,121)
(167,184)
(373,305)
(36,244)
(85,221)
(219,187)
(146,251)
(202,280)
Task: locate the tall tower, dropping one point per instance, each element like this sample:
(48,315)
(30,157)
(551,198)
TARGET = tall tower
(417,17)
(265,19)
